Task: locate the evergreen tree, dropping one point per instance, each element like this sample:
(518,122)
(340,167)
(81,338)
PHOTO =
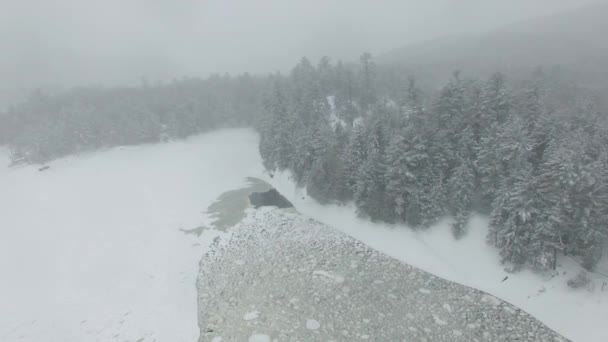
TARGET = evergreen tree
(346,94)
(367,76)
(356,154)
(400,179)
(427,202)
(575,194)
(277,145)
(321,181)
(413,117)
(511,152)
(369,191)
(496,104)
(515,216)
(490,166)
(462,190)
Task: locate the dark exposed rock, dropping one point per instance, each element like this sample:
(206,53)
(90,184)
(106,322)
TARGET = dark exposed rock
(269,198)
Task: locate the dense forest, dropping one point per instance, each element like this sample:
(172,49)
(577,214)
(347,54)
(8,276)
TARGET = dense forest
(530,153)
(46,127)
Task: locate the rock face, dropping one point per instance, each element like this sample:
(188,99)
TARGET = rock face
(283,277)
(269,198)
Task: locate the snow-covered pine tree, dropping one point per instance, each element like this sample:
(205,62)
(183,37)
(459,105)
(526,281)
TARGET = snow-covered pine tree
(356,154)
(556,210)
(277,144)
(427,194)
(496,102)
(511,150)
(495,111)
(367,76)
(370,195)
(322,176)
(415,120)
(575,191)
(399,177)
(346,93)
(490,166)
(462,191)
(518,216)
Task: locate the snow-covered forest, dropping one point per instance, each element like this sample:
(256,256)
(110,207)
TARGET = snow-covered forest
(531,156)
(46,127)
(531,153)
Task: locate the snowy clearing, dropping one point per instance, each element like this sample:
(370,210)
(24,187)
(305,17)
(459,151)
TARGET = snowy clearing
(91,249)
(577,314)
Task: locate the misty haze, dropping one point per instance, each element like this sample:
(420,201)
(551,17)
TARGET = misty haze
(304,170)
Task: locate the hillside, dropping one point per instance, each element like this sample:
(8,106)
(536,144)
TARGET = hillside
(574,41)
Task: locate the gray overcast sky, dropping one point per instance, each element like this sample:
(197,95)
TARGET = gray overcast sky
(70,42)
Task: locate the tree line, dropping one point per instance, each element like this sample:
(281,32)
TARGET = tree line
(46,127)
(531,154)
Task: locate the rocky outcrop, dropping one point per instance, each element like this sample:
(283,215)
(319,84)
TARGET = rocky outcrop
(269,198)
(283,277)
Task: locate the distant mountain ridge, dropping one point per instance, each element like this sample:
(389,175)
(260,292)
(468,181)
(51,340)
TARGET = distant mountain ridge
(575,40)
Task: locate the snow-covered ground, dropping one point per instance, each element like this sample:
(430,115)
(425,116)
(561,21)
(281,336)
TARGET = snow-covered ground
(90,249)
(580,315)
